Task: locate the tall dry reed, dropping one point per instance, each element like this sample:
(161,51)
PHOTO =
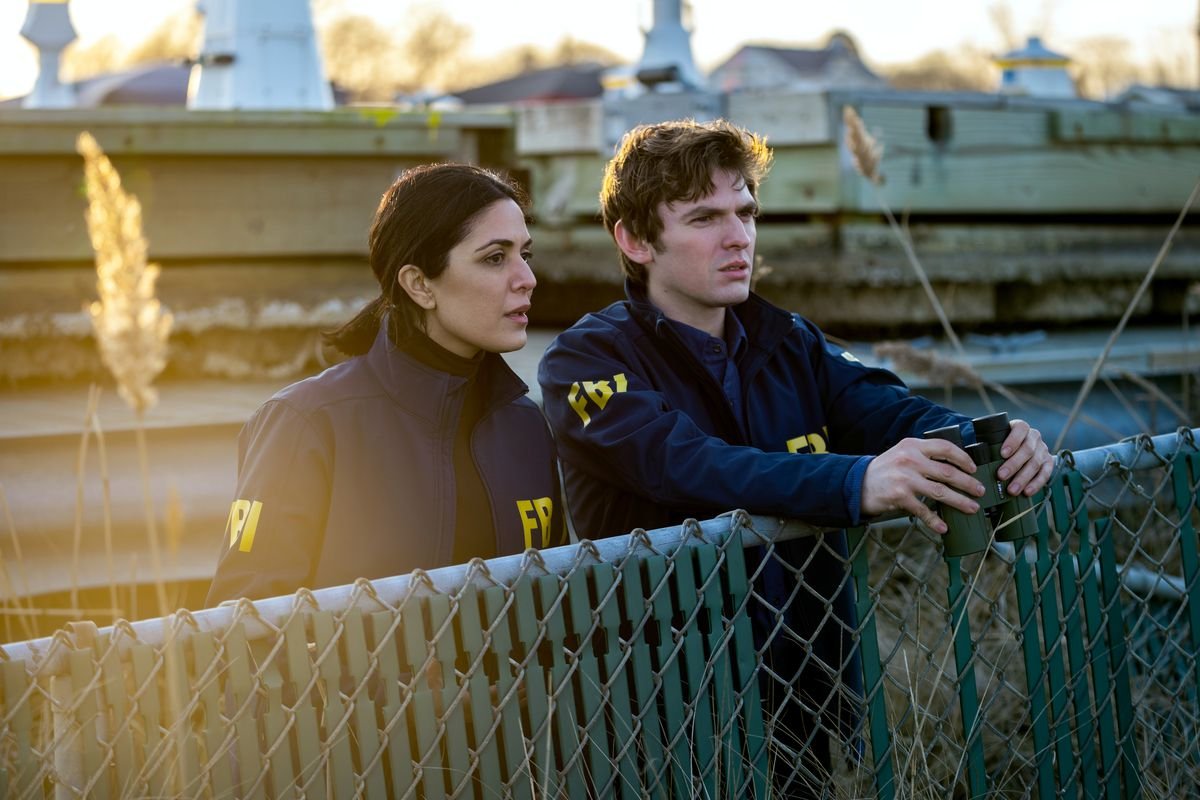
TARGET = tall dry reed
(867,154)
(129,323)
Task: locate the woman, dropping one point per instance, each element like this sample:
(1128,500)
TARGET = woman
(421,450)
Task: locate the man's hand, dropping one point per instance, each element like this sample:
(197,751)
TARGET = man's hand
(1027,460)
(897,479)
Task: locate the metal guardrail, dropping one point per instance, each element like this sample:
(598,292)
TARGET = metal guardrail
(655,664)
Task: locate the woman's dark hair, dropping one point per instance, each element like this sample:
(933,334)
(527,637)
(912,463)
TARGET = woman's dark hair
(422,216)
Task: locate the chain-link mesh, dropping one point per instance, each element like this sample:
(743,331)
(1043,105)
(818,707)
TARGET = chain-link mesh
(738,657)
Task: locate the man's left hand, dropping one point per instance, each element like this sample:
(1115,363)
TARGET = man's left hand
(1027,460)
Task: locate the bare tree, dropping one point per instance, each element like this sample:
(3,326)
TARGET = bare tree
(1103,66)
(84,61)
(1001,14)
(176,39)
(964,70)
(361,57)
(523,58)
(432,46)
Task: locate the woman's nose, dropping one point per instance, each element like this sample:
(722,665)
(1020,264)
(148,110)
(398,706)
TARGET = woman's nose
(524,280)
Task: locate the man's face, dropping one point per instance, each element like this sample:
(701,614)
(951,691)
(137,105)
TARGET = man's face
(705,254)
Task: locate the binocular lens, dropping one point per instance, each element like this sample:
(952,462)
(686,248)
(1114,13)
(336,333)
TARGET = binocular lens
(992,429)
(950,434)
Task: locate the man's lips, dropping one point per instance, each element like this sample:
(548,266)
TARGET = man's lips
(736,266)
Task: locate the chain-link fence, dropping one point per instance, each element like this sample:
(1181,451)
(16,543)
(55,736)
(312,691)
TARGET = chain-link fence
(673,663)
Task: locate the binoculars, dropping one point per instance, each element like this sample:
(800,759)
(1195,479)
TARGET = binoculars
(1010,517)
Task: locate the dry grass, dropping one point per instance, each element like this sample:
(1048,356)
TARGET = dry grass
(130,324)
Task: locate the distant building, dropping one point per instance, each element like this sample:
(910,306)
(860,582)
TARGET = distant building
(1035,71)
(160,84)
(572,82)
(835,66)
(1160,97)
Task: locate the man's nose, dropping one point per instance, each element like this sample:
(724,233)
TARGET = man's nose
(738,234)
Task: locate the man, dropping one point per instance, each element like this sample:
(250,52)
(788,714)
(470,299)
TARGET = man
(695,396)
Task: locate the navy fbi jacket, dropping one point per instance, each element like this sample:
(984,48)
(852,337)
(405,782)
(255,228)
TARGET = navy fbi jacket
(647,437)
(350,474)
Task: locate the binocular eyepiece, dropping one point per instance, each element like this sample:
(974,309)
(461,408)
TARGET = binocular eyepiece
(1008,515)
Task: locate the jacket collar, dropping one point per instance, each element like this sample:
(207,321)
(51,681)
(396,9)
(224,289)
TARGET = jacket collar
(766,325)
(424,391)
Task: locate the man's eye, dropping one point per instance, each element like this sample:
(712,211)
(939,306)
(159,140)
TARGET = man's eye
(702,219)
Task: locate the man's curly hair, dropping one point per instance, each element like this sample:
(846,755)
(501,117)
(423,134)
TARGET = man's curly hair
(670,162)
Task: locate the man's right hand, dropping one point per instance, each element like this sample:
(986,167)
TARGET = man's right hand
(897,479)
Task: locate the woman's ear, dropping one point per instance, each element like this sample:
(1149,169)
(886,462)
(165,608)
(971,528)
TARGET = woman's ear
(636,250)
(414,283)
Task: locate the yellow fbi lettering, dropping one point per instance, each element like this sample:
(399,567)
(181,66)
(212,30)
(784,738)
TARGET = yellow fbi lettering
(809,443)
(243,521)
(536,514)
(598,392)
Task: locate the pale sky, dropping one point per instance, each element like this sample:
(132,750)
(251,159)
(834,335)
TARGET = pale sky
(888,31)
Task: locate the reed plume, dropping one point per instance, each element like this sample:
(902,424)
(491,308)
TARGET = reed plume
(863,147)
(130,326)
(867,153)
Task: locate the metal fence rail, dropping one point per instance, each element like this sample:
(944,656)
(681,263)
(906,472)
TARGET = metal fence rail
(660,665)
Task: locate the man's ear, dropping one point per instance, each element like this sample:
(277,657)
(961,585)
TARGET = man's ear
(636,250)
(414,283)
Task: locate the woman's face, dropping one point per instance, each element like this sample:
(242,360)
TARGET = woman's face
(482,297)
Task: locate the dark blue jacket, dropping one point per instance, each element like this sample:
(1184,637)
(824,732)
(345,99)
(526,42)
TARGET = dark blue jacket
(350,474)
(647,437)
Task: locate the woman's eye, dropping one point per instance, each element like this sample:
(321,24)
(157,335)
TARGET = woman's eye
(495,259)
(528,256)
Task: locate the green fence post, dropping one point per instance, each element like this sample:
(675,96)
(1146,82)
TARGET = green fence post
(82,671)
(615,674)
(18,710)
(745,663)
(362,720)
(588,692)
(640,612)
(728,751)
(1118,657)
(543,777)
(879,731)
(1073,625)
(1034,678)
(149,708)
(395,719)
(968,692)
(518,776)
(562,711)
(219,778)
(281,770)
(242,698)
(1055,670)
(482,712)
(1185,478)
(310,769)
(699,721)
(116,696)
(1109,768)
(431,768)
(340,766)
(453,717)
(668,676)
